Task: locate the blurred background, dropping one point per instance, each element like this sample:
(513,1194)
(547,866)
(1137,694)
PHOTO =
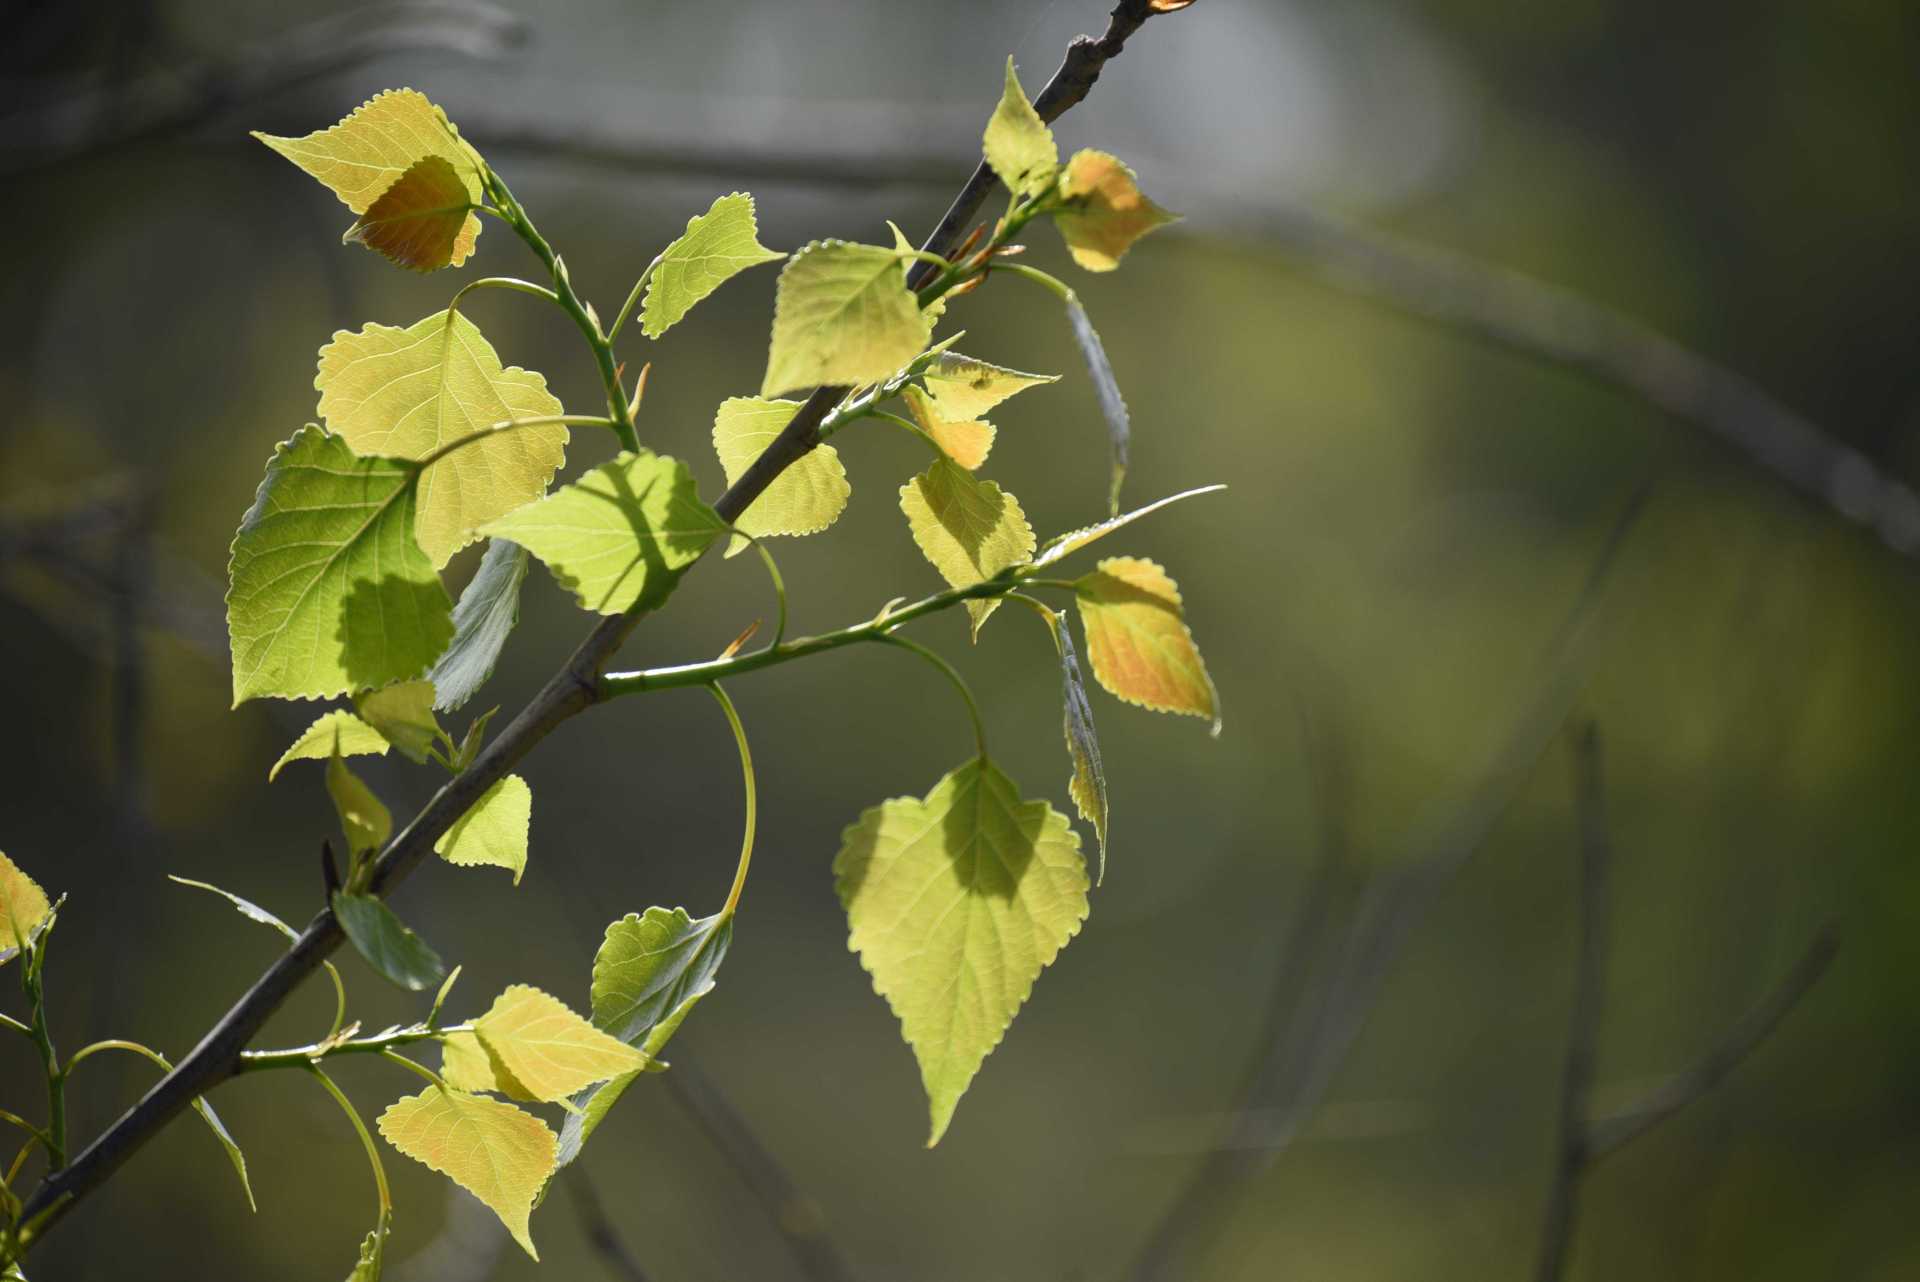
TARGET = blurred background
(1561,359)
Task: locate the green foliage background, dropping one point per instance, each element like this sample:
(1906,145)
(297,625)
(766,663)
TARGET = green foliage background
(1412,514)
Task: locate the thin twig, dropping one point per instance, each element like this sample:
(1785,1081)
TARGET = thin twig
(595,1223)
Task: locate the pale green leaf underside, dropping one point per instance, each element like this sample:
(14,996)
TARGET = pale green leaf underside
(245,907)
(329,593)
(500,1154)
(969,529)
(1087,785)
(717,245)
(1017,144)
(965,388)
(402,714)
(227,1142)
(493,831)
(483,620)
(805,499)
(354,737)
(1072,541)
(620,536)
(364,819)
(388,945)
(404,393)
(843,314)
(956,902)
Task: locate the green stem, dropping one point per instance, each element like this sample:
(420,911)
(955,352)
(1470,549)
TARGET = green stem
(1052,284)
(502,282)
(512,425)
(366,1139)
(31,980)
(926,438)
(8,1021)
(21,1122)
(746,772)
(633,298)
(959,683)
(304,1056)
(779,584)
(115,1044)
(421,1069)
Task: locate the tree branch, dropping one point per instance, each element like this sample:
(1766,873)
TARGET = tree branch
(598,1226)
(570,691)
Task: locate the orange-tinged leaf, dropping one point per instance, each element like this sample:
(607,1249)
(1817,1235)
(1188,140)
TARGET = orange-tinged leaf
(1138,642)
(1103,210)
(500,1154)
(23,906)
(424,222)
(966,443)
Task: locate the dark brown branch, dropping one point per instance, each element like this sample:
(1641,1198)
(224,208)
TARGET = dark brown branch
(570,691)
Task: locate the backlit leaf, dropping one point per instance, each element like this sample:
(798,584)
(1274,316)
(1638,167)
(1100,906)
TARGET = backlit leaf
(843,314)
(424,221)
(717,245)
(403,715)
(1138,641)
(385,941)
(964,387)
(619,537)
(227,1142)
(500,1154)
(466,1064)
(1113,407)
(549,1050)
(365,821)
(339,728)
(404,393)
(1072,541)
(969,529)
(1018,144)
(482,621)
(966,443)
(805,499)
(329,593)
(23,906)
(494,829)
(246,907)
(956,902)
(1088,783)
(1102,210)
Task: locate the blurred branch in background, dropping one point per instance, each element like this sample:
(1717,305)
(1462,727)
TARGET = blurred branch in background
(1583,1140)
(599,1228)
(1305,1047)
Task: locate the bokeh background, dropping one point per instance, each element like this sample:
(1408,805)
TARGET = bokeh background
(1316,1024)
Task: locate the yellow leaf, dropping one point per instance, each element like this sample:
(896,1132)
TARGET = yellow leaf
(1018,145)
(843,314)
(366,822)
(23,906)
(965,387)
(404,393)
(805,499)
(402,715)
(500,1154)
(1103,211)
(424,221)
(548,1049)
(466,1065)
(340,728)
(1138,640)
(969,529)
(494,831)
(965,443)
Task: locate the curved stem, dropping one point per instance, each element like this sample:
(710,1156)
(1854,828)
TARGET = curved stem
(746,773)
(117,1044)
(514,425)
(502,282)
(366,1139)
(953,675)
(21,1122)
(1052,284)
(417,1067)
(339,1000)
(633,298)
(926,437)
(8,1021)
(779,585)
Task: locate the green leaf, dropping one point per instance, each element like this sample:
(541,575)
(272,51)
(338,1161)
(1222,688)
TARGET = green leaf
(482,621)
(424,221)
(805,499)
(1018,144)
(403,715)
(364,155)
(1138,641)
(493,831)
(329,592)
(549,1050)
(966,443)
(234,1155)
(1067,544)
(843,314)
(246,907)
(1102,211)
(384,940)
(339,728)
(404,393)
(23,906)
(1113,406)
(956,902)
(963,387)
(500,1154)
(717,246)
(619,537)
(366,822)
(969,529)
(1088,783)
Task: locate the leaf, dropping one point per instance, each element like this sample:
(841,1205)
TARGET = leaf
(23,906)
(339,728)
(970,529)
(466,1064)
(234,1155)
(717,245)
(843,314)
(619,537)
(246,907)
(805,499)
(482,621)
(384,940)
(403,715)
(963,387)
(965,443)
(956,903)
(1069,543)
(1088,783)
(328,592)
(404,393)
(368,152)
(1102,210)
(493,831)
(1113,407)
(1138,640)
(424,222)
(498,1153)
(548,1049)
(366,822)
(1018,145)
